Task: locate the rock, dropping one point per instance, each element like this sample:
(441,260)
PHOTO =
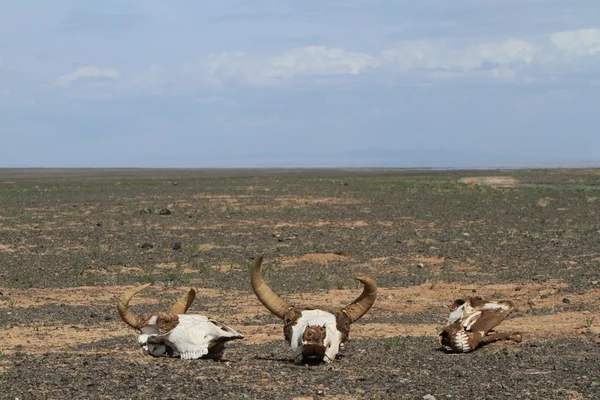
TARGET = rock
(164,211)
(420,265)
(566,300)
(146,246)
(429,397)
(146,211)
(176,245)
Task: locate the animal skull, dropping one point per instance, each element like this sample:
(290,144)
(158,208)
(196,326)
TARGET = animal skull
(313,332)
(471,323)
(177,333)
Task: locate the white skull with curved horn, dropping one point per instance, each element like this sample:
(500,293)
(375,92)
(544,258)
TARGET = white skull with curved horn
(313,332)
(471,324)
(176,333)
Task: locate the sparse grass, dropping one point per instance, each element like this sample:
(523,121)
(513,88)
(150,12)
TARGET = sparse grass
(148,275)
(90,280)
(173,277)
(393,343)
(322,277)
(96,252)
(589,321)
(544,202)
(203,268)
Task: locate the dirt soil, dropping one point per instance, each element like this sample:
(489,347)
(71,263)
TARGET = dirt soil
(71,241)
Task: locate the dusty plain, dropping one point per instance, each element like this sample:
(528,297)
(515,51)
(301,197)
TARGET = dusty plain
(71,243)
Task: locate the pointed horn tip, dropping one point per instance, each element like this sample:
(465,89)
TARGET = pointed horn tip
(257,266)
(136,289)
(365,280)
(144,286)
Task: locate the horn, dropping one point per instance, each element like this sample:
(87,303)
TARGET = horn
(183,303)
(361,305)
(264,293)
(123,306)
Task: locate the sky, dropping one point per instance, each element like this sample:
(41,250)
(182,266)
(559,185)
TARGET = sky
(299,83)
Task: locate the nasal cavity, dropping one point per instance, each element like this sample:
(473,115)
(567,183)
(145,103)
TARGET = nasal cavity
(314,334)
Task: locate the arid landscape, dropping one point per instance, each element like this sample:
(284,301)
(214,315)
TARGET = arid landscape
(71,241)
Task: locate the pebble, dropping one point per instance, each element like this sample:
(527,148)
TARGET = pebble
(566,300)
(429,397)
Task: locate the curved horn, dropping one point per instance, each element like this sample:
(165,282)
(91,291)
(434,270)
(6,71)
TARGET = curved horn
(183,303)
(264,293)
(123,306)
(361,305)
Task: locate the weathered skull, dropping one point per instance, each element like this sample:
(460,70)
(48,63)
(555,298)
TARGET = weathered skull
(315,335)
(471,323)
(313,332)
(175,333)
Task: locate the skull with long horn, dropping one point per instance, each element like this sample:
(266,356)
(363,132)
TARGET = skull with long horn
(175,332)
(313,332)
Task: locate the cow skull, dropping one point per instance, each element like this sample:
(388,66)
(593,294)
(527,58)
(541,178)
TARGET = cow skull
(175,332)
(471,323)
(313,332)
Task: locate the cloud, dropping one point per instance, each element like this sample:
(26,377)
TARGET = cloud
(86,72)
(426,55)
(506,60)
(315,61)
(581,42)
(499,60)
(321,60)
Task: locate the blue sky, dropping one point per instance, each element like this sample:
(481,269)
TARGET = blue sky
(328,83)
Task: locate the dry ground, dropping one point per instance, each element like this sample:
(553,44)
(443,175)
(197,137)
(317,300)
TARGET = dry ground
(70,244)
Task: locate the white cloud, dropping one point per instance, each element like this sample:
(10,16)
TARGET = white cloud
(500,60)
(302,61)
(581,42)
(321,60)
(90,71)
(504,60)
(441,56)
